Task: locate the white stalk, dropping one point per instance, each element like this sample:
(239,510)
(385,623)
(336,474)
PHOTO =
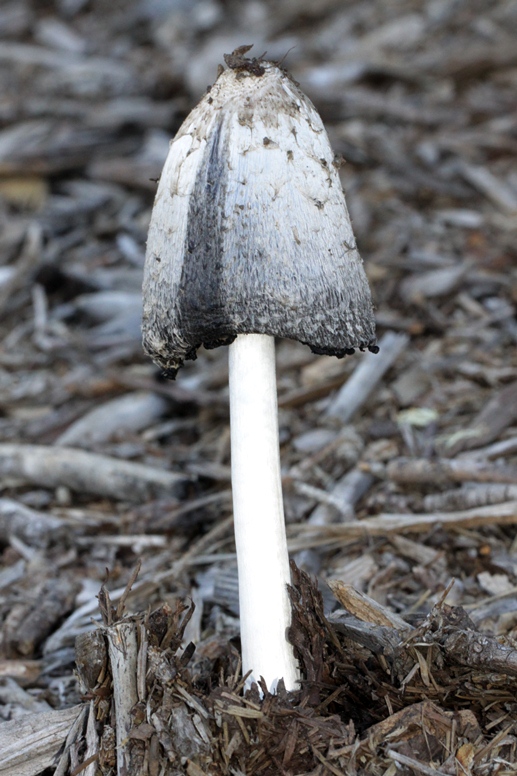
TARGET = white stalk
(262,558)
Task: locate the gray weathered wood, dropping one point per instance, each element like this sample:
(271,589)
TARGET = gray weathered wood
(29,745)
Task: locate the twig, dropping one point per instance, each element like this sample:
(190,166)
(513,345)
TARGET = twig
(386,523)
(471,496)
(444,471)
(403,759)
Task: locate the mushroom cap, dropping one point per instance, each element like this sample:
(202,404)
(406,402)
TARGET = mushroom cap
(250,232)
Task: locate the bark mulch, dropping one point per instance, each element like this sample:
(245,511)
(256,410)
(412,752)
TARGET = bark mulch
(117,563)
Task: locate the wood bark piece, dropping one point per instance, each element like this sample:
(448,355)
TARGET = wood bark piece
(414,765)
(379,639)
(74,740)
(416,551)
(365,608)
(92,744)
(37,529)
(29,745)
(90,657)
(480,651)
(87,472)
(12,693)
(497,415)
(24,671)
(55,599)
(437,282)
(493,607)
(424,715)
(131,412)
(309,393)
(369,624)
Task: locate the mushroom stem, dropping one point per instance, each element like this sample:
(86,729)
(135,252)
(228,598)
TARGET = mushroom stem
(260,539)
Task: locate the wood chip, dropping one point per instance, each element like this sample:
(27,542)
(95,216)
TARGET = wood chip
(87,473)
(28,746)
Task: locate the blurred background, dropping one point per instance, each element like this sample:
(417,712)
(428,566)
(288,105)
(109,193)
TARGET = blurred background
(420,99)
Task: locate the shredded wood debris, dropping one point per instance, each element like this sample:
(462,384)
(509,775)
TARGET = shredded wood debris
(369,692)
(399,469)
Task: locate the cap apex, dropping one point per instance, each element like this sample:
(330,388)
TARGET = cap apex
(237,61)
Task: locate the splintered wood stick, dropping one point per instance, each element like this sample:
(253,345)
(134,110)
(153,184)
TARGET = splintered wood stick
(338,504)
(75,733)
(25,265)
(123,652)
(91,754)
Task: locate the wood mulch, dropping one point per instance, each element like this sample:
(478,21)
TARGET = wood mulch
(399,469)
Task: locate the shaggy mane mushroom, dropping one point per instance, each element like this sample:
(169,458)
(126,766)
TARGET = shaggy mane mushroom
(250,239)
